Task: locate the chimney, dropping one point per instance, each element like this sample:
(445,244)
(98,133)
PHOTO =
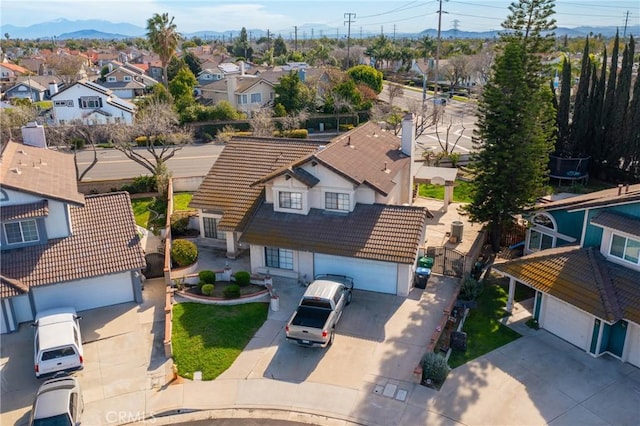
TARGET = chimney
(53,88)
(232,86)
(408,135)
(620,189)
(241,67)
(33,135)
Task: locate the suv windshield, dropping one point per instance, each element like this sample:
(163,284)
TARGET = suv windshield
(59,420)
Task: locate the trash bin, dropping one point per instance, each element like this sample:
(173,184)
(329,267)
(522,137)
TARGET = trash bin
(425,262)
(421,277)
(275,303)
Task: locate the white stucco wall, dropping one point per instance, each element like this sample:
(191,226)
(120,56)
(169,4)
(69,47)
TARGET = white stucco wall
(57,222)
(69,113)
(631,352)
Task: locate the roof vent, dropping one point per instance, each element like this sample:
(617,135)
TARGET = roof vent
(43,163)
(16,171)
(22,151)
(321,147)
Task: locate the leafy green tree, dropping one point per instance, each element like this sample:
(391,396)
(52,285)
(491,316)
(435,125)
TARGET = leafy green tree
(293,94)
(279,47)
(513,141)
(181,88)
(193,62)
(367,75)
(241,46)
(163,37)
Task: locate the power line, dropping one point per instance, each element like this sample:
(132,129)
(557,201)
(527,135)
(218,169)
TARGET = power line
(349,16)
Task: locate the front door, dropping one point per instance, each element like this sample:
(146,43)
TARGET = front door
(617,336)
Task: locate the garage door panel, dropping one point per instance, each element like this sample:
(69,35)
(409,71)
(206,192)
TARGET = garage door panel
(85,294)
(633,340)
(367,274)
(567,322)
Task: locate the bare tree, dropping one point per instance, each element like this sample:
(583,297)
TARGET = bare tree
(481,63)
(67,67)
(292,121)
(79,135)
(12,119)
(394,91)
(154,137)
(262,123)
(457,71)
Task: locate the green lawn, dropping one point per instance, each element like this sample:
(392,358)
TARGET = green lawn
(181,201)
(142,209)
(209,338)
(461,191)
(483,328)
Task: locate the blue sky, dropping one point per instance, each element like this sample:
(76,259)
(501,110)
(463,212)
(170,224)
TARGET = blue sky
(372,16)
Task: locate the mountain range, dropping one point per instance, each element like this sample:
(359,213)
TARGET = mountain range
(100,29)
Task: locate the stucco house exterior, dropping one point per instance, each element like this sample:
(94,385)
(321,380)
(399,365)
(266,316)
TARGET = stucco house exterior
(247,93)
(128,82)
(304,208)
(60,248)
(583,260)
(92,104)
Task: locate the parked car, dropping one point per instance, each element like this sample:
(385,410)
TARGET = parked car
(58,402)
(57,343)
(314,321)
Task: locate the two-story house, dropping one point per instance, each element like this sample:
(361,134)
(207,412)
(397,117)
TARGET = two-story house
(60,248)
(584,263)
(306,207)
(92,104)
(128,82)
(247,93)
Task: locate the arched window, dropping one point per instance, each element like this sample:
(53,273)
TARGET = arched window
(544,219)
(538,238)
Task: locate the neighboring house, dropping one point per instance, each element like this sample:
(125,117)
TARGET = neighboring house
(128,82)
(29,89)
(584,264)
(60,248)
(92,104)
(50,83)
(9,72)
(221,71)
(304,208)
(246,93)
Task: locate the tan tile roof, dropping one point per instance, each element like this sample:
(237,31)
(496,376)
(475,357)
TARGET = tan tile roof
(39,171)
(365,155)
(377,232)
(620,222)
(581,277)
(228,189)
(25,211)
(594,199)
(104,241)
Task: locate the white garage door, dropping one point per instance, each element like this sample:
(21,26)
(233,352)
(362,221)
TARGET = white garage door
(85,294)
(567,322)
(367,274)
(633,340)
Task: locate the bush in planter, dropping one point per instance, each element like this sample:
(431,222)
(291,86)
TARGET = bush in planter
(243,278)
(434,369)
(207,277)
(232,292)
(470,289)
(184,252)
(180,223)
(207,289)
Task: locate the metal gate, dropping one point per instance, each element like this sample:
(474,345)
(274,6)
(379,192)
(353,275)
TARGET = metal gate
(446,261)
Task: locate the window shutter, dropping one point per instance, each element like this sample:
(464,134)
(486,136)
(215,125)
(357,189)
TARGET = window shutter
(80,103)
(100,102)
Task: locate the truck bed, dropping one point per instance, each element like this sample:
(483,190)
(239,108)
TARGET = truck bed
(310,317)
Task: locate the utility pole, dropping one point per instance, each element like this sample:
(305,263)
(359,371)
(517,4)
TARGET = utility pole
(394,32)
(455,22)
(626,21)
(350,17)
(311,33)
(268,40)
(360,33)
(295,43)
(437,76)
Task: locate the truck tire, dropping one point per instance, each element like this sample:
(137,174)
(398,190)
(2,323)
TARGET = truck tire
(332,336)
(349,296)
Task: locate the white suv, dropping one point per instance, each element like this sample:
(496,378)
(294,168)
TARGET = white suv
(58,402)
(57,344)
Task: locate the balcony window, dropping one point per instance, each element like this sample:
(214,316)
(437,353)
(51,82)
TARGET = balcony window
(21,232)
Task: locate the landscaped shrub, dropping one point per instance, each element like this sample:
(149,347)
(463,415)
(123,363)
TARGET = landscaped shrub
(232,292)
(141,184)
(207,289)
(346,127)
(180,223)
(470,289)
(184,252)
(206,276)
(298,133)
(434,369)
(243,278)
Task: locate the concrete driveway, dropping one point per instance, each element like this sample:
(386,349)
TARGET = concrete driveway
(124,358)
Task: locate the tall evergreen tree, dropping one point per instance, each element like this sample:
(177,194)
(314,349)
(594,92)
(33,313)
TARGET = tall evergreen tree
(619,144)
(605,147)
(632,133)
(580,121)
(596,115)
(564,105)
(513,142)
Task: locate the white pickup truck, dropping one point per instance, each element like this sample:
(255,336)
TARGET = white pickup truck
(314,321)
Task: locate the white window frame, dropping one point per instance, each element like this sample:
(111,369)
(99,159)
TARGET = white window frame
(126,78)
(340,203)
(624,250)
(111,79)
(295,200)
(543,230)
(86,102)
(256,98)
(284,257)
(21,225)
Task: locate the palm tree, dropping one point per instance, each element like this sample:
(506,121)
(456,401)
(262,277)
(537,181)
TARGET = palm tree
(163,37)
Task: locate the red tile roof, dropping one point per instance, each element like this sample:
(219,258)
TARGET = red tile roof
(378,232)
(581,277)
(41,172)
(104,241)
